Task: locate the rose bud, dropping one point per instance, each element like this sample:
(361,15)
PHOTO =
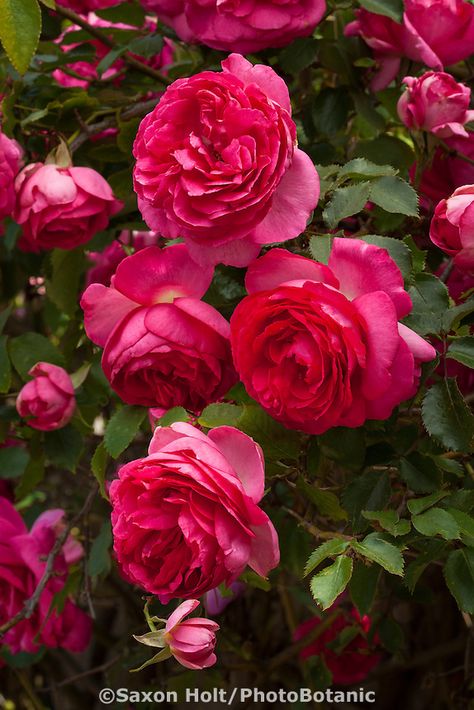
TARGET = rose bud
(452,227)
(47,401)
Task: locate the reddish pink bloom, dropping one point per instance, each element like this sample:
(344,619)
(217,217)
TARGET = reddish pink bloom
(47,402)
(239,25)
(163,346)
(321,346)
(105,262)
(185,519)
(354,663)
(436,33)
(10,163)
(217,164)
(435,102)
(452,227)
(191,641)
(61,207)
(22,563)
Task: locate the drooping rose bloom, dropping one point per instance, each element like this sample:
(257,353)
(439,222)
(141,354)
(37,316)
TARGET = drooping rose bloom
(185,518)
(239,25)
(22,563)
(321,346)
(447,171)
(354,663)
(191,641)
(163,346)
(217,164)
(87,70)
(104,263)
(452,227)
(435,102)
(436,33)
(61,207)
(10,163)
(47,402)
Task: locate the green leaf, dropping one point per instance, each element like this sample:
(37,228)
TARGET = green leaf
(386,150)
(418,505)
(437,521)
(220,414)
(5,366)
(255,580)
(127,134)
(79,377)
(347,446)
(122,428)
(331,581)
(420,473)
(390,521)
(363,586)
(63,287)
(13,461)
(298,55)
(459,576)
(376,548)
(326,502)
(395,195)
(370,491)
(28,349)
(99,467)
(320,247)
(32,476)
(276,441)
(345,202)
(430,302)
(418,256)
(20,28)
(147,46)
(111,56)
(129,13)
(447,417)
(391,635)
(390,8)
(453,316)
(64,447)
(4,316)
(331,110)
(399,251)
(175,414)
(466,525)
(361,167)
(433,549)
(331,548)
(99,558)
(462,350)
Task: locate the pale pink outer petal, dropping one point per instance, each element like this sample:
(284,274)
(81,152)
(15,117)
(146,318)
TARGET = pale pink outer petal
(103,308)
(389,68)
(178,614)
(265,77)
(421,350)
(153,275)
(245,456)
(264,550)
(278,266)
(162,436)
(364,268)
(294,199)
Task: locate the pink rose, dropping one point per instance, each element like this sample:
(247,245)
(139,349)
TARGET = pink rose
(22,563)
(163,346)
(10,163)
(435,102)
(356,660)
(61,207)
(105,262)
(452,227)
(436,33)
(321,346)
(191,641)
(47,401)
(87,70)
(185,518)
(217,164)
(239,25)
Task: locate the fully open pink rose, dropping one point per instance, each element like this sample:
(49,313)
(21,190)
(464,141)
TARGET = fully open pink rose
(47,401)
(163,346)
(435,102)
(191,641)
(356,660)
(22,563)
(452,227)
(321,346)
(104,263)
(436,33)
(10,161)
(61,207)
(185,519)
(217,164)
(239,25)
